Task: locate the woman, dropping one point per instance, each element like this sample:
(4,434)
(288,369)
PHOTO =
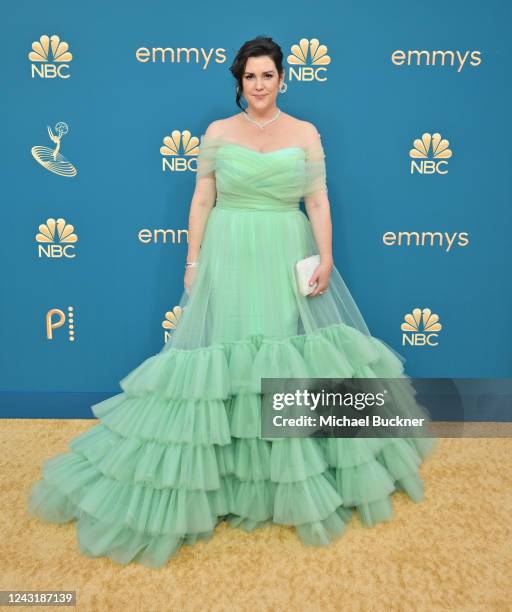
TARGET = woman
(180,449)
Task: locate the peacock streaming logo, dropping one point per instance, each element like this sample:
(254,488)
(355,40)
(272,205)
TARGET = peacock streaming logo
(50,57)
(308,61)
(52,159)
(420,328)
(56,318)
(179,151)
(429,154)
(171,321)
(56,239)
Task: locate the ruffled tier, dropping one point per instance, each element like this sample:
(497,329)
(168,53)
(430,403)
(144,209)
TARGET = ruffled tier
(217,371)
(180,450)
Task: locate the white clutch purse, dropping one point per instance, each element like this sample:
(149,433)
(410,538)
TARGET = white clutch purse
(304,268)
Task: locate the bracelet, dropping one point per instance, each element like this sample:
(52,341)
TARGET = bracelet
(192,264)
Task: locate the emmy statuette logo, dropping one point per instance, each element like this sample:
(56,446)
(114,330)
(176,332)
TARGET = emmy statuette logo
(52,159)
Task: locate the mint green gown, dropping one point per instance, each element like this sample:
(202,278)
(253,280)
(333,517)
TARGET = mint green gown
(180,448)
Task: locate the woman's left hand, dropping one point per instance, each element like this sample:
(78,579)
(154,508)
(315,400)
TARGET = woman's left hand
(321,274)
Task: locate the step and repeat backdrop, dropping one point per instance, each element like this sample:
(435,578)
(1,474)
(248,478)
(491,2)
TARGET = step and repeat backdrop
(105,106)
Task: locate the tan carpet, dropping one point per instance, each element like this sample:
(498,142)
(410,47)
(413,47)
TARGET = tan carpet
(453,551)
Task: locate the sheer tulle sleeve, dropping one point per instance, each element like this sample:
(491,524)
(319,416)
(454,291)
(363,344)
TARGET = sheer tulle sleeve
(315,172)
(207,157)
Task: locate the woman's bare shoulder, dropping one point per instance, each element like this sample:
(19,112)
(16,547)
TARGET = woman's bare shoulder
(306,130)
(220,127)
(309,130)
(214,129)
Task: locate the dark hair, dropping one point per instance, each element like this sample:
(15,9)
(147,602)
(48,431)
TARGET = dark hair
(261,45)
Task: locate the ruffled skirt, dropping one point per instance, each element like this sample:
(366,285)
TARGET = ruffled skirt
(180,449)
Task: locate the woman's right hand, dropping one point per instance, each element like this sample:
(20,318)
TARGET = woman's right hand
(189,278)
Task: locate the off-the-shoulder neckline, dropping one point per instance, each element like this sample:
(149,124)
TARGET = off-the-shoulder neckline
(241,146)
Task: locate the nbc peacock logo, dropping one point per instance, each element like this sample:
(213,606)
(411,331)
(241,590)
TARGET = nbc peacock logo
(420,328)
(56,239)
(171,320)
(429,154)
(52,159)
(179,151)
(50,57)
(308,61)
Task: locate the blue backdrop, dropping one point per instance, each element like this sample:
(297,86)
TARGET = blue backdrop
(78,315)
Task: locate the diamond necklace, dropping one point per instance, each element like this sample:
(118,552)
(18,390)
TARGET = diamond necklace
(261,126)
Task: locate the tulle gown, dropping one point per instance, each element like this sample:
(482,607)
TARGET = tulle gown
(180,448)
